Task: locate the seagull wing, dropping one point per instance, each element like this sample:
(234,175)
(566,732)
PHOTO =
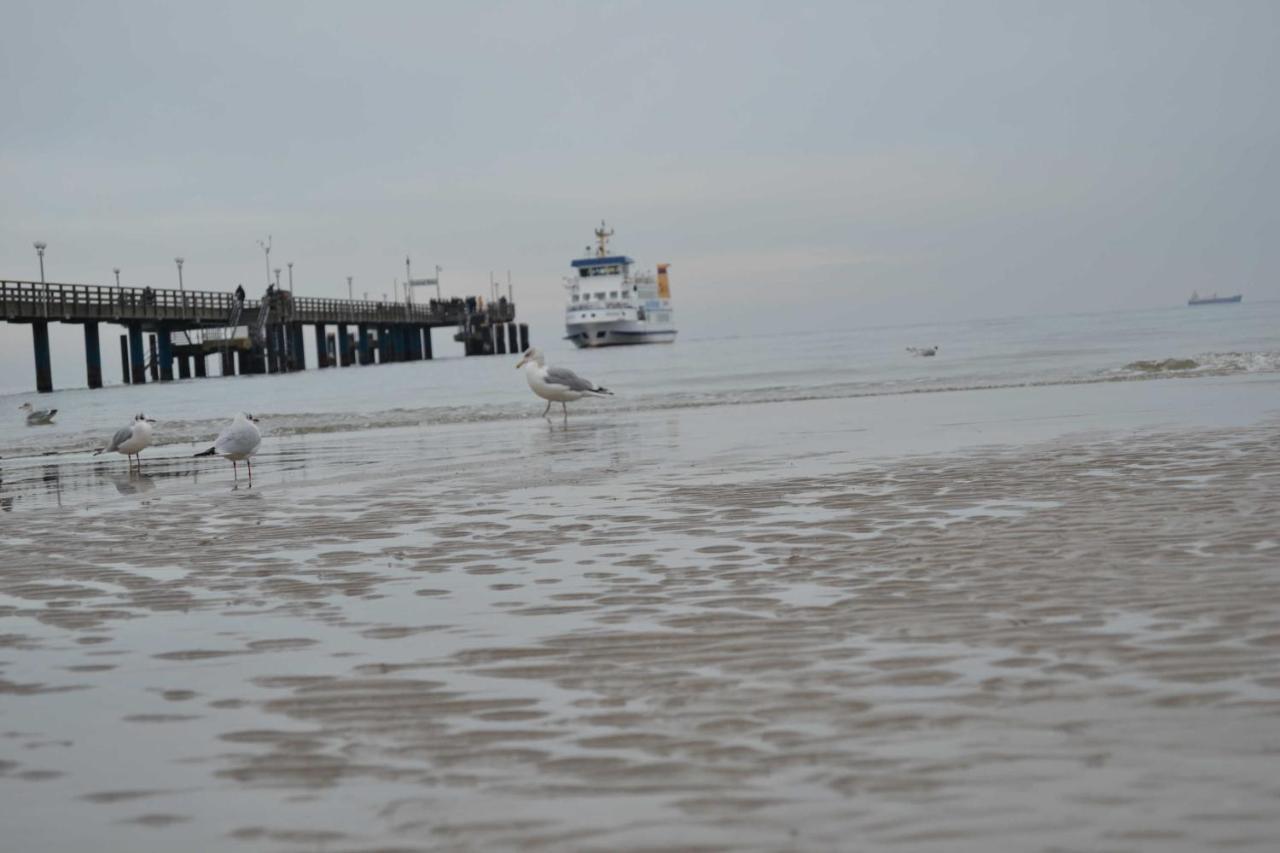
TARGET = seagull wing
(122,435)
(566,377)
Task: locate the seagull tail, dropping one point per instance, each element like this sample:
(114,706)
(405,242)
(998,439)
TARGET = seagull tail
(99,451)
(209,452)
(600,389)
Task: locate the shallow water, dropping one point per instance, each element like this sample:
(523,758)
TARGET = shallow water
(1038,618)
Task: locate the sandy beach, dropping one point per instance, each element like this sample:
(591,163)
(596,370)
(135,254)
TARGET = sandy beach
(1041,619)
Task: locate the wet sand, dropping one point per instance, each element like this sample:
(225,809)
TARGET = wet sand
(1021,620)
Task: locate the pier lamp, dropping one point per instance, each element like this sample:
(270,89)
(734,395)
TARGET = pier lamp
(290,266)
(40,247)
(179,262)
(116,270)
(349,296)
(266,249)
(277,278)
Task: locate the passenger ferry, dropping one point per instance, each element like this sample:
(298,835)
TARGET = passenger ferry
(608,305)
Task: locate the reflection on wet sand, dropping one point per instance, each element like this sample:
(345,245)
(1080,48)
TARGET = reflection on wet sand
(1072,645)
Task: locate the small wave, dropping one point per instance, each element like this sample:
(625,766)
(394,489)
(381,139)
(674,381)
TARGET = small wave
(1167,365)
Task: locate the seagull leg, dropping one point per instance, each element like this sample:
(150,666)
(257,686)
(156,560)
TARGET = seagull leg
(565,406)
(235,468)
(249,462)
(547,409)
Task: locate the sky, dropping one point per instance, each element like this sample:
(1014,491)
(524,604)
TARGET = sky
(841,164)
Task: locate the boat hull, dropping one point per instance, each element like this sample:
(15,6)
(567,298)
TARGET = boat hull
(591,335)
(1217,300)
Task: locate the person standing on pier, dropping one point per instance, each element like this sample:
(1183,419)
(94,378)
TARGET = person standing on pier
(240,294)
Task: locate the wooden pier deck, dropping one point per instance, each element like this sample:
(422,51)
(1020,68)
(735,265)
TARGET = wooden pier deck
(188,326)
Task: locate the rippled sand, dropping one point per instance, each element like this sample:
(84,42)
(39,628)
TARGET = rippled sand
(681,633)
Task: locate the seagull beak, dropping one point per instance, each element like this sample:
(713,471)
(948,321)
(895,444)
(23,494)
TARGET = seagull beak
(521,364)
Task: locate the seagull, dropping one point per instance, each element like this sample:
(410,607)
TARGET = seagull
(237,442)
(131,440)
(924,351)
(38,417)
(556,384)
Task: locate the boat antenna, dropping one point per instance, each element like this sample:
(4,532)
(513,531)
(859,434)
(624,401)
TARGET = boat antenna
(602,235)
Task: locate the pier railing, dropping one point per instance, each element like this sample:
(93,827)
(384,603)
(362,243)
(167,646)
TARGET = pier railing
(25,301)
(33,300)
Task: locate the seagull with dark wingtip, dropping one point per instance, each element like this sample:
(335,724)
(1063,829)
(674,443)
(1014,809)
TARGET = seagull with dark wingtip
(238,442)
(556,384)
(131,440)
(38,417)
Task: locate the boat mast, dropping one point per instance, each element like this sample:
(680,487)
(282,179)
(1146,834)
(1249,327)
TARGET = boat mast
(602,236)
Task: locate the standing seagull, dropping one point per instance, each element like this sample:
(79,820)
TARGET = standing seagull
(131,440)
(38,417)
(237,442)
(556,384)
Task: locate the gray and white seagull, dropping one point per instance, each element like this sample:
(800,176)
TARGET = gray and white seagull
(556,384)
(38,417)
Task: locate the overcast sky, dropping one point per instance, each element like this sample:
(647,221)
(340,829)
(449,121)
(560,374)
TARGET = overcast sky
(856,162)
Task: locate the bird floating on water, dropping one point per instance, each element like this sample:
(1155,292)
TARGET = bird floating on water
(237,442)
(38,417)
(924,351)
(131,440)
(556,384)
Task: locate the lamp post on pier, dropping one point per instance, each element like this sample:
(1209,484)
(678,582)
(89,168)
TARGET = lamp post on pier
(277,279)
(290,266)
(180,262)
(266,249)
(40,247)
(349,296)
(116,270)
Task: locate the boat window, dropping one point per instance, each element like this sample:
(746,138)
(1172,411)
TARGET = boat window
(613,294)
(600,295)
(575,297)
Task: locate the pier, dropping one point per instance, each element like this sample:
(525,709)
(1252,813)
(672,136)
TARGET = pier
(186,327)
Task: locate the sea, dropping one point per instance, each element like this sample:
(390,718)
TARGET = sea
(1175,343)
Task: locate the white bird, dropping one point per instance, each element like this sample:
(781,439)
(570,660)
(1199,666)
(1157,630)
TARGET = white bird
(237,442)
(131,440)
(556,384)
(38,417)
(924,351)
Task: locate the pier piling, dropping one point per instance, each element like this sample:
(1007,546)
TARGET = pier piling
(44,365)
(201,364)
(124,358)
(344,346)
(426,342)
(165,341)
(92,355)
(155,358)
(524,336)
(137,355)
(363,343)
(184,366)
(322,346)
(513,338)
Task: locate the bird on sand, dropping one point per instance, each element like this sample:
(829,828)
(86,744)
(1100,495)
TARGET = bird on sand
(556,384)
(237,442)
(131,440)
(38,417)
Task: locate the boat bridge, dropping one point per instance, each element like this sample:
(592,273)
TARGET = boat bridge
(250,336)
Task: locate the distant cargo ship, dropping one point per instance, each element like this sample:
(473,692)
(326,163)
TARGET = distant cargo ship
(1197,299)
(609,306)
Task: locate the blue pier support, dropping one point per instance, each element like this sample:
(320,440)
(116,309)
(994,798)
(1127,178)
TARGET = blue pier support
(513,337)
(366,354)
(500,340)
(124,357)
(322,346)
(426,342)
(344,346)
(184,366)
(414,334)
(92,355)
(524,336)
(44,364)
(297,347)
(273,348)
(165,345)
(137,354)
(201,364)
(384,345)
